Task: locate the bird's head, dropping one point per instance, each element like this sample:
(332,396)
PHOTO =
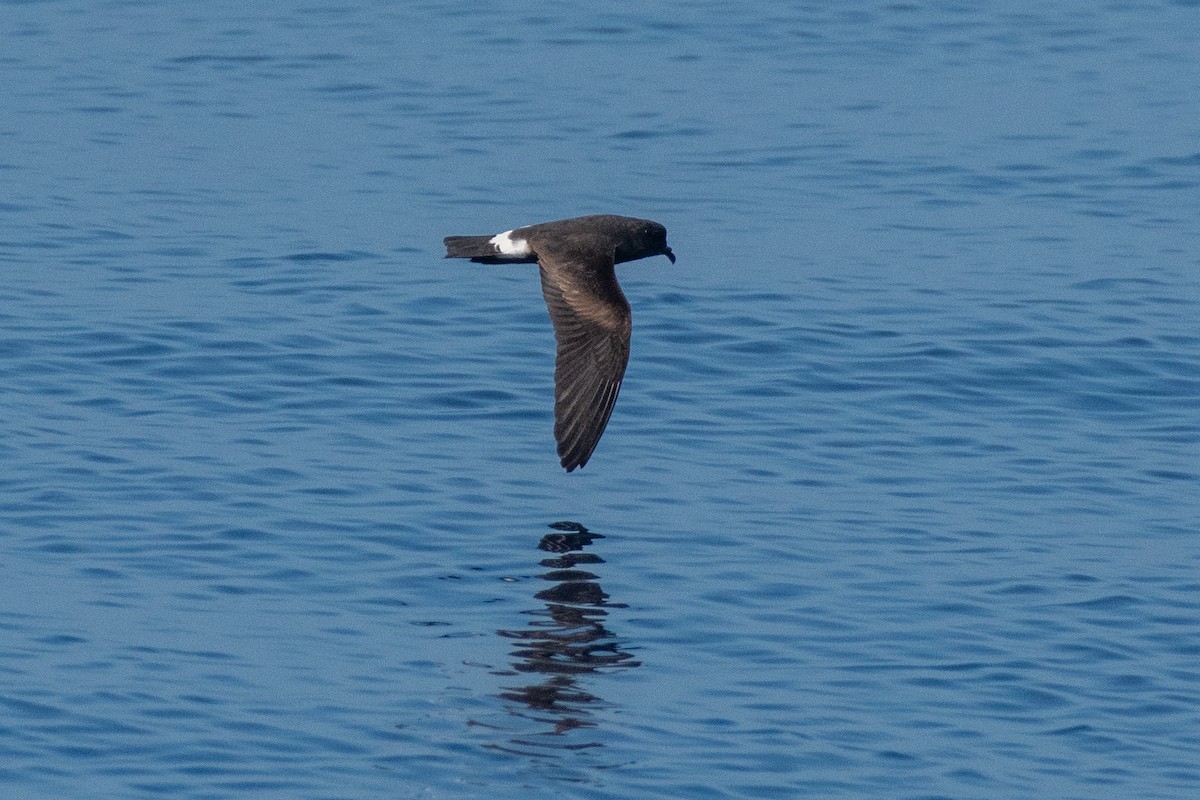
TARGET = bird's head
(653,241)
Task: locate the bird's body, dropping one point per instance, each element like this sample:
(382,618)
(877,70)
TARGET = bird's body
(592,322)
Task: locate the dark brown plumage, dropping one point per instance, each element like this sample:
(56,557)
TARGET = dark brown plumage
(592,324)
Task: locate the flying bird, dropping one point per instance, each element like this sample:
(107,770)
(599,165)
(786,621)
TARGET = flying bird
(576,258)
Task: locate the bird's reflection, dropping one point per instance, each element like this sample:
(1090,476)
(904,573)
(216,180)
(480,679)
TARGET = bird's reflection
(564,641)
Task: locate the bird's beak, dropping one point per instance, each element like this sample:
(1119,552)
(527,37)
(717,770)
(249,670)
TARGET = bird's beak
(667,252)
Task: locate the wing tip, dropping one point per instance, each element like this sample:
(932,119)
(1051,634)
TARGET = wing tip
(577,439)
(573,459)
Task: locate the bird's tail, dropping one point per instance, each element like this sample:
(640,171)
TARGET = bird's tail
(469,246)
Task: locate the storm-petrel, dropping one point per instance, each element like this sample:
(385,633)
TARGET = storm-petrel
(590,314)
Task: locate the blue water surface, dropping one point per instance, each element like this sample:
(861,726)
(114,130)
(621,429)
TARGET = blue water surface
(899,499)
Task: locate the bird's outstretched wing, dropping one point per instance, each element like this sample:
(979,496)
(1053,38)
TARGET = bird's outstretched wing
(592,325)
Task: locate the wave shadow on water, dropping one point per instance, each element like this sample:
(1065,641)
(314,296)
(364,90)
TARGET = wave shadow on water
(565,641)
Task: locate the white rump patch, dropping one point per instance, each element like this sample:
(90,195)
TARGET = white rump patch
(508,246)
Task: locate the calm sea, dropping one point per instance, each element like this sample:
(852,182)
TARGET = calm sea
(900,500)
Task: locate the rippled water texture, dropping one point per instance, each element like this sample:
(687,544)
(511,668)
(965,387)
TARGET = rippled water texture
(899,499)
